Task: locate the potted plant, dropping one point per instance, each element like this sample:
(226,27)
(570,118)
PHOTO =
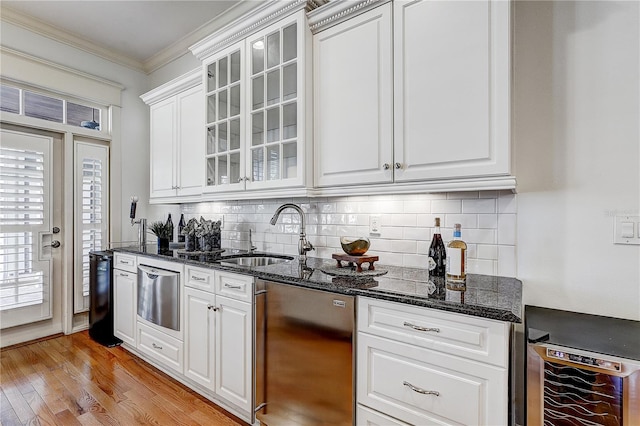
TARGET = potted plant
(163,232)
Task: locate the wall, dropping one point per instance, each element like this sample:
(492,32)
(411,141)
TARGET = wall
(576,132)
(488,226)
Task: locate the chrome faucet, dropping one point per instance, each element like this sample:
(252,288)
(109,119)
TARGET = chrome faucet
(142,232)
(303,245)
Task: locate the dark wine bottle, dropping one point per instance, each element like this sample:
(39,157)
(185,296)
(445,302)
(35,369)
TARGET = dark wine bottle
(438,252)
(170,226)
(181,226)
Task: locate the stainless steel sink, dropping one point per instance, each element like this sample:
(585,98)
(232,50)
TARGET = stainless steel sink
(255,260)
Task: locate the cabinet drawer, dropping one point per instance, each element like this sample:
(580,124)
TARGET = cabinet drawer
(200,278)
(126,262)
(368,417)
(394,377)
(457,334)
(234,286)
(161,347)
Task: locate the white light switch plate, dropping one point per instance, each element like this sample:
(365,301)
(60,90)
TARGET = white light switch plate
(626,230)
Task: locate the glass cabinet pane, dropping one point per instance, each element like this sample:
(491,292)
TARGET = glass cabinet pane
(234,102)
(223,177)
(289,121)
(257,165)
(235,67)
(273,162)
(222,137)
(223,69)
(211,140)
(257,93)
(234,168)
(211,108)
(289,160)
(273,50)
(289,43)
(273,124)
(234,134)
(222,105)
(211,171)
(257,57)
(289,81)
(257,126)
(211,77)
(273,87)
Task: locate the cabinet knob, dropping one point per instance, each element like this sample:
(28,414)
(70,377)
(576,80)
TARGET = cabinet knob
(212,308)
(386,166)
(398,166)
(240,180)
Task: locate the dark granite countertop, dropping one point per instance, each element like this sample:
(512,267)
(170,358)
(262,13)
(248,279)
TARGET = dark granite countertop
(498,298)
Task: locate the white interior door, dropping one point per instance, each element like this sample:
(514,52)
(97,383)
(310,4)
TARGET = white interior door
(28,245)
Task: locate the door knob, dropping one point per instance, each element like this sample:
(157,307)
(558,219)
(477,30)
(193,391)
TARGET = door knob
(55,230)
(55,243)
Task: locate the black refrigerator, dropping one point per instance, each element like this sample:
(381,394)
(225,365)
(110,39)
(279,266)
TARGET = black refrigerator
(101,298)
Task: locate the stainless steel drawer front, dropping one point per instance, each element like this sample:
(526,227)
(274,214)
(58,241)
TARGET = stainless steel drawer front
(159,296)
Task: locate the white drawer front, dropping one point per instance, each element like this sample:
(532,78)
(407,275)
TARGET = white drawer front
(161,347)
(368,417)
(125,262)
(200,278)
(457,334)
(239,287)
(468,393)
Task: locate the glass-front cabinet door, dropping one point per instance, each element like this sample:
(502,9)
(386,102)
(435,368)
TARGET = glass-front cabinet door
(225,123)
(275,124)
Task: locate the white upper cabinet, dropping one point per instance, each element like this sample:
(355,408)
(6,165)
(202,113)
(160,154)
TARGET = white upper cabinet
(257,89)
(452,80)
(176,138)
(353,101)
(412,96)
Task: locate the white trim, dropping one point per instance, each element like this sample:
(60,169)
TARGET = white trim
(252,22)
(177,85)
(21,67)
(338,11)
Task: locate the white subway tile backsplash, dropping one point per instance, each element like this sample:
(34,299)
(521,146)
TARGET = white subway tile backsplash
(488,221)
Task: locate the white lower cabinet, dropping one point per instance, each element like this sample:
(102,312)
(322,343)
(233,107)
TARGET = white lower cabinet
(219,335)
(124,309)
(161,347)
(453,375)
(368,417)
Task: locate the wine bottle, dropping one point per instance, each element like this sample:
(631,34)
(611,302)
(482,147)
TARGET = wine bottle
(181,226)
(438,252)
(456,260)
(170,226)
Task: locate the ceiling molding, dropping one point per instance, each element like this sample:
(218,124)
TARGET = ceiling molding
(181,47)
(177,85)
(56,34)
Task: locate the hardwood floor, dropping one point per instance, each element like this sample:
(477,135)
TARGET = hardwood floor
(71,380)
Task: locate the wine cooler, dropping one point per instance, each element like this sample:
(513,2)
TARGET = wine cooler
(572,386)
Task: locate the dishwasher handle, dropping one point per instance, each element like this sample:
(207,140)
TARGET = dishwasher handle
(154,273)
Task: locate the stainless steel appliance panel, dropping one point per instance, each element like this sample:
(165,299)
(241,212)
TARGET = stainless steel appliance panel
(159,296)
(304,356)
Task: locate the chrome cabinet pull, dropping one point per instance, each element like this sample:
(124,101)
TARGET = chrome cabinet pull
(122,274)
(420,390)
(194,278)
(156,346)
(417,327)
(386,166)
(212,308)
(124,262)
(398,166)
(237,287)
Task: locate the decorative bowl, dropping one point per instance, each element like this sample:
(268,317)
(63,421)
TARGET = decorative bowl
(355,246)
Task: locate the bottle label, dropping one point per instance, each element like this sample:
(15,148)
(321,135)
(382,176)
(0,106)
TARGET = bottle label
(455,261)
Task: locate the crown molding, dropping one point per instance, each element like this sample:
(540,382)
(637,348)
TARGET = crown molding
(170,88)
(338,11)
(250,23)
(56,34)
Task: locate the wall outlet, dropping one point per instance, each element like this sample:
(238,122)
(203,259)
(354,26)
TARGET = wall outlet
(626,230)
(374,224)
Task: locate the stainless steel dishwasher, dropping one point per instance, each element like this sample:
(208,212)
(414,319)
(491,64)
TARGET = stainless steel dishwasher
(304,356)
(159,296)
